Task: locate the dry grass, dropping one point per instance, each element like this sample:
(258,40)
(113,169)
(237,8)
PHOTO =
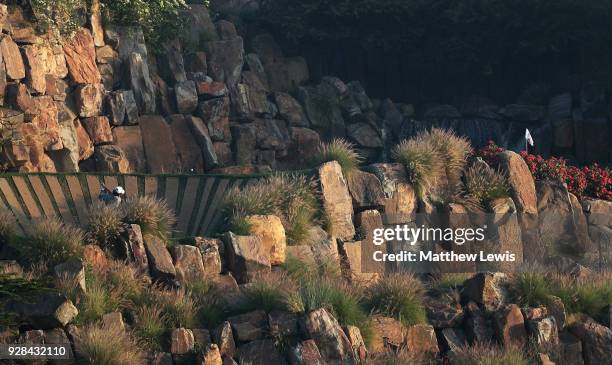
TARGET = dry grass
(399,296)
(179,309)
(341,151)
(7,226)
(108,345)
(482,185)
(399,357)
(423,163)
(53,242)
(268,291)
(152,215)
(292,198)
(487,354)
(105,224)
(149,326)
(454,151)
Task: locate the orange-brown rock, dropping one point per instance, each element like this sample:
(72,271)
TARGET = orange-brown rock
(421,338)
(337,201)
(98,129)
(13,62)
(86,147)
(36,59)
(110,158)
(129,139)
(181,341)
(159,146)
(510,325)
(95,257)
(89,99)
(80,55)
(271,230)
(189,155)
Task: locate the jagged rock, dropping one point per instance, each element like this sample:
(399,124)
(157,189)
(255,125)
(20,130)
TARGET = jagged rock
(560,222)
(196,65)
(45,310)
(321,106)
(224,154)
(283,324)
(210,356)
(115,107)
(159,146)
(95,257)
(421,338)
(126,40)
(225,60)
(244,142)
(505,233)
(337,201)
(352,263)
(215,113)
(200,133)
(360,351)
(68,160)
(131,107)
(596,341)
(73,271)
(364,135)
(141,84)
(366,190)
(170,62)
(332,342)
(246,256)
(13,62)
(271,230)
(544,332)
(188,151)
(260,352)
(86,147)
(250,326)
(80,56)
(271,134)
(556,308)
(290,110)
(304,143)
(210,90)
(56,88)
(89,99)
(442,314)
(510,325)
(111,158)
(98,129)
(288,74)
(486,289)
(224,338)
(400,199)
(359,95)
(211,255)
(160,261)
(3,15)
(570,349)
(133,242)
(160,358)
(453,339)
(58,336)
(129,139)
(478,328)
(181,341)
(186,97)
(113,320)
(188,263)
(250,98)
(306,353)
(200,26)
(521,181)
(386,331)
(36,58)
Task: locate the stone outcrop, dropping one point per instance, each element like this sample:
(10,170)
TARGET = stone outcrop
(331,341)
(272,233)
(337,201)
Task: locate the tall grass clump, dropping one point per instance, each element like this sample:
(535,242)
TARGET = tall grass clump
(397,357)
(105,224)
(108,345)
(454,151)
(53,242)
(423,163)
(7,227)
(341,151)
(210,301)
(530,289)
(268,292)
(488,354)
(152,215)
(178,308)
(482,185)
(149,326)
(290,197)
(399,296)
(589,295)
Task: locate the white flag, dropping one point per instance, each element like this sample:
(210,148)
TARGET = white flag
(528,137)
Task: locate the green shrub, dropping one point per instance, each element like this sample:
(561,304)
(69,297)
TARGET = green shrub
(109,345)
(52,242)
(399,296)
(486,354)
(267,292)
(105,225)
(423,163)
(341,151)
(152,215)
(290,197)
(149,326)
(178,308)
(450,280)
(211,303)
(59,16)
(7,227)
(530,289)
(483,184)
(590,295)
(95,302)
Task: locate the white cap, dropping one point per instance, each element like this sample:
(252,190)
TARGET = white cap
(119,190)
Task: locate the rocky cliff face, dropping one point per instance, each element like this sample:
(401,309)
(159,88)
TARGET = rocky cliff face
(102,101)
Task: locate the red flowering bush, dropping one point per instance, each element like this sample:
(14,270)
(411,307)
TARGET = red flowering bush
(589,181)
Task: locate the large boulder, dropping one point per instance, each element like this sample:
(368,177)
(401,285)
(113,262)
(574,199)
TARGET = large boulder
(215,114)
(487,289)
(13,62)
(386,332)
(503,234)
(290,110)
(510,325)
(544,332)
(225,59)
(212,250)
(224,338)
(186,97)
(337,202)
(159,146)
(400,200)
(421,338)
(160,261)
(111,158)
(202,137)
(45,310)
(129,139)
(249,326)
(140,81)
(246,256)
(366,190)
(306,353)
(89,99)
(596,341)
(322,109)
(188,151)
(331,340)
(170,62)
(260,352)
(98,129)
(188,263)
(80,56)
(181,341)
(271,230)
(561,221)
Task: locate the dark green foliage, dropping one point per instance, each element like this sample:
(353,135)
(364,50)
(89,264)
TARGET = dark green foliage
(52,242)
(399,296)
